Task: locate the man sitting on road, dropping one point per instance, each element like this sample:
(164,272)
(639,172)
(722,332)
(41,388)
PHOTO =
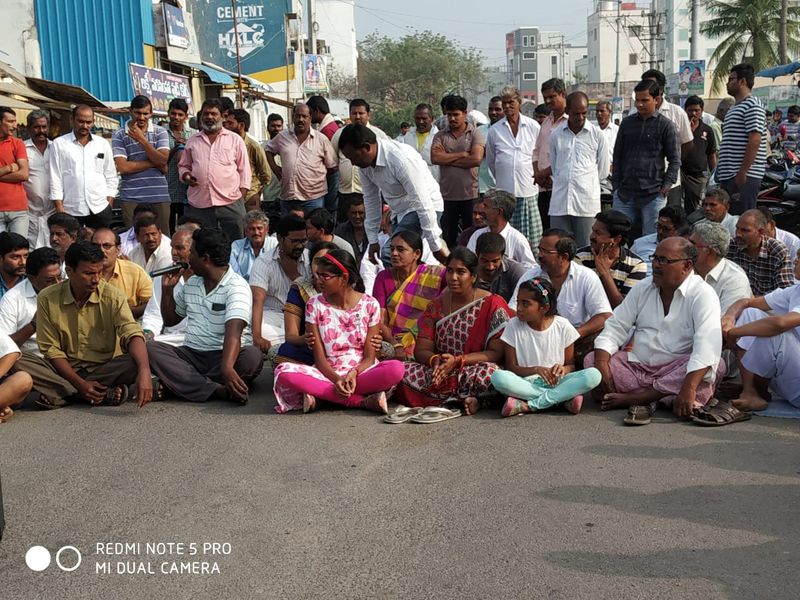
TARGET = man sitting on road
(352,230)
(765,260)
(497,207)
(790,240)
(124,275)
(716,207)
(256,240)
(496,273)
(319,228)
(13,254)
(127,238)
(671,222)
(153,250)
(677,340)
(727,278)
(765,332)
(18,306)
(217,360)
(91,347)
(63,233)
(152,322)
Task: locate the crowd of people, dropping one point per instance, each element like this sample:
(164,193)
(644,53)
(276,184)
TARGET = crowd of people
(459,263)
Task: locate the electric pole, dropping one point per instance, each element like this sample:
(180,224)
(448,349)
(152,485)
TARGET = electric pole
(312,34)
(694,42)
(619,26)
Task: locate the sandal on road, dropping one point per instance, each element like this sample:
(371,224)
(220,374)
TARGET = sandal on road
(640,415)
(116,395)
(720,414)
(435,414)
(402,415)
(49,404)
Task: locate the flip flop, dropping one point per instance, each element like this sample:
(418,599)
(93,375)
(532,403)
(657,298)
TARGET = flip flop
(49,404)
(640,415)
(720,414)
(435,414)
(110,400)
(402,415)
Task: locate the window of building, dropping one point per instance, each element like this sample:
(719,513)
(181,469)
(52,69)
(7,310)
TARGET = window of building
(524,41)
(529,56)
(683,53)
(683,34)
(594,34)
(554,60)
(529,76)
(633,58)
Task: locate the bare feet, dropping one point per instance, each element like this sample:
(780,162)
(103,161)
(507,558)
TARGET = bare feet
(514,407)
(627,399)
(376,403)
(471,405)
(6,414)
(750,403)
(309,403)
(574,406)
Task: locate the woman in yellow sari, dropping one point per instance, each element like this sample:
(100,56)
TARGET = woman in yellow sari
(404,292)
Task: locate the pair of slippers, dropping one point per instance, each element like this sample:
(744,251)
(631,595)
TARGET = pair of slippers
(429,414)
(713,414)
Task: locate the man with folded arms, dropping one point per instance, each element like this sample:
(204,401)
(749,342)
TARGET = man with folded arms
(677,340)
(91,347)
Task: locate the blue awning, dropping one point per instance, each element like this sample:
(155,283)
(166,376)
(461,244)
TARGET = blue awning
(215,75)
(780,70)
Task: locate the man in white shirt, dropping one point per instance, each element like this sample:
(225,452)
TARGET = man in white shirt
(421,136)
(37,187)
(509,156)
(83,178)
(128,239)
(727,278)
(579,158)
(398,174)
(602,112)
(671,222)
(716,206)
(581,299)
(497,208)
(152,321)
(790,240)
(677,340)
(152,252)
(18,305)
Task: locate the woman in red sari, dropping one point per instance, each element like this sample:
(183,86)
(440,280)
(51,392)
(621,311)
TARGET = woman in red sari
(458,343)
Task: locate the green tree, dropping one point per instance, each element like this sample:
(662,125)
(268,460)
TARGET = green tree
(748,31)
(395,75)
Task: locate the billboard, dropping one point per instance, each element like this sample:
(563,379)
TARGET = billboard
(176,26)
(161,87)
(315,80)
(262,41)
(692,78)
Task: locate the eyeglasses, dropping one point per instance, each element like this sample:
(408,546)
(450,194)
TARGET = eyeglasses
(541,250)
(663,260)
(324,276)
(297,242)
(107,246)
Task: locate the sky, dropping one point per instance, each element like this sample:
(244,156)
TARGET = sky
(470,23)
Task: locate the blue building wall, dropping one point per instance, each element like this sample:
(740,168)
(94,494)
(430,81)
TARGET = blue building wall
(90,43)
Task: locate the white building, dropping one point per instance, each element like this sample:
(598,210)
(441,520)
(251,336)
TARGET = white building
(337,28)
(601,28)
(677,34)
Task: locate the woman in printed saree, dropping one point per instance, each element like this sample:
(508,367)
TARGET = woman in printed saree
(404,292)
(458,342)
(297,347)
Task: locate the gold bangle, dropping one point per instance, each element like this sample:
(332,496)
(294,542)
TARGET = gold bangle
(430,360)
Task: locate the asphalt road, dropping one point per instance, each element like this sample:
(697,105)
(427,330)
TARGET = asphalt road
(336,504)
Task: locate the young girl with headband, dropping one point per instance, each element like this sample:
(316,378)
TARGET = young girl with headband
(539,346)
(342,320)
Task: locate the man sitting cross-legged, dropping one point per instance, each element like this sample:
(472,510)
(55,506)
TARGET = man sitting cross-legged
(13,388)
(217,359)
(91,347)
(768,345)
(677,340)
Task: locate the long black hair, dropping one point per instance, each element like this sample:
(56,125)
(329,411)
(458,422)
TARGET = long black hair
(346,260)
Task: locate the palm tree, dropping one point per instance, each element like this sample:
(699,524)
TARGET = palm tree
(749,31)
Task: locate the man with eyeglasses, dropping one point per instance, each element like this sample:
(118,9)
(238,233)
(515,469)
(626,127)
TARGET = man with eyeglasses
(677,340)
(272,276)
(671,222)
(124,275)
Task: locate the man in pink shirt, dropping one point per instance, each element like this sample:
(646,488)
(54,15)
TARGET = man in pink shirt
(306,158)
(555,97)
(215,166)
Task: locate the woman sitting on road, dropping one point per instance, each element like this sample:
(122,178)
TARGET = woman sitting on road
(13,388)
(458,344)
(297,347)
(342,320)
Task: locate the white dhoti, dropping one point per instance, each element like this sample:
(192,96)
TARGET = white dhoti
(272,327)
(776,358)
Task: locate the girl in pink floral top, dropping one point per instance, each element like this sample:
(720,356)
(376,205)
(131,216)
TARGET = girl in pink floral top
(345,369)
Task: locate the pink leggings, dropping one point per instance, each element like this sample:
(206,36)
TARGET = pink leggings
(379,378)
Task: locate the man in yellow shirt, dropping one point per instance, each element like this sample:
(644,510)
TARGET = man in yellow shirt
(92,349)
(124,275)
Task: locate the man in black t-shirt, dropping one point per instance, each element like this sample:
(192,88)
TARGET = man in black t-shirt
(700,160)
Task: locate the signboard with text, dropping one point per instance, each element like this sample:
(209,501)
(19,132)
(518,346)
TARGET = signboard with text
(161,87)
(176,26)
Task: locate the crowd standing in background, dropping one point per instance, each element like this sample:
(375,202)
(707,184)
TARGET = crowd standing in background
(467,258)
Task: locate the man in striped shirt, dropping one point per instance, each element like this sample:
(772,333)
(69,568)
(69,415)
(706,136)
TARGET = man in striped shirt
(743,150)
(141,154)
(217,360)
